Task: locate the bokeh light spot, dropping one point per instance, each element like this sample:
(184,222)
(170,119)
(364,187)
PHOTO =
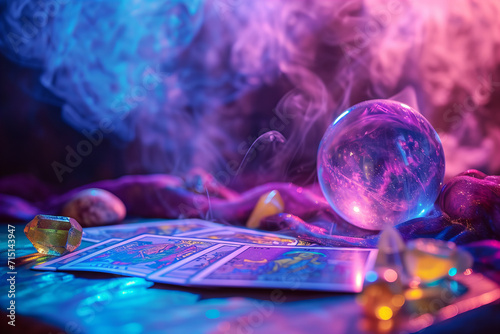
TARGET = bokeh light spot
(384,313)
(414,294)
(398,300)
(371,276)
(390,275)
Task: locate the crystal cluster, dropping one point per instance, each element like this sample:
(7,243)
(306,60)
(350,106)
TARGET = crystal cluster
(380,163)
(54,235)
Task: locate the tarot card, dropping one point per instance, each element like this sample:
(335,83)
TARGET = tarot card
(140,256)
(243,235)
(306,243)
(87,243)
(311,268)
(187,268)
(162,227)
(61,261)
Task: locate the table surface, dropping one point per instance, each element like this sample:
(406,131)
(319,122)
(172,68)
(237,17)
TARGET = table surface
(59,302)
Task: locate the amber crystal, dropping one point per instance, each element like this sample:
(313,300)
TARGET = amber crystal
(431,259)
(381,299)
(54,235)
(269,204)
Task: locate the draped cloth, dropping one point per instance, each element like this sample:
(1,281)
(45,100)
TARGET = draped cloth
(467,209)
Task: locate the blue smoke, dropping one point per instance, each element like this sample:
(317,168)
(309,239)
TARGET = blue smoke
(105,59)
(192,83)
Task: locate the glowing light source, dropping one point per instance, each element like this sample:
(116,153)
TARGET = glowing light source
(359,280)
(371,276)
(384,313)
(341,116)
(414,283)
(356,209)
(390,275)
(413,294)
(452,271)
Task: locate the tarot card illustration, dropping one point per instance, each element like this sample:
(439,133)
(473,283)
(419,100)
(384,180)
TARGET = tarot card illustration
(306,243)
(317,268)
(61,261)
(140,256)
(186,269)
(243,235)
(163,227)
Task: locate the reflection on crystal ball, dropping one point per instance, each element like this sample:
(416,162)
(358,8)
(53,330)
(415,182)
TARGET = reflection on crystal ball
(380,162)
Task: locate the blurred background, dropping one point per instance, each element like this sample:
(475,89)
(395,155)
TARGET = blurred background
(244,90)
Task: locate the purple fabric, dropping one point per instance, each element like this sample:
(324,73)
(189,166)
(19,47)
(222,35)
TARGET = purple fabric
(469,202)
(473,199)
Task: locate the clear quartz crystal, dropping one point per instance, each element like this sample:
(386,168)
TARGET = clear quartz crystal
(379,163)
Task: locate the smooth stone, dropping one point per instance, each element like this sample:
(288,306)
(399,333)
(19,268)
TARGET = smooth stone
(95,207)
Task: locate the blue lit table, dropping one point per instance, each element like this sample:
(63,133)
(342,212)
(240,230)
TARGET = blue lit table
(75,303)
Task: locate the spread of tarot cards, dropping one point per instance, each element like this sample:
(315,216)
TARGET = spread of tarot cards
(199,253)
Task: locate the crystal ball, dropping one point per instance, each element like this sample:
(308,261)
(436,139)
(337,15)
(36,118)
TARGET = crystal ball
(380,162)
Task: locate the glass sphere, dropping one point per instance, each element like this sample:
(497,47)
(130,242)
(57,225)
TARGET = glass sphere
(380,162)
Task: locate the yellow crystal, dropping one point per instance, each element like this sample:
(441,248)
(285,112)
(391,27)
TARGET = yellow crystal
(269,204)
(54,235)
(431,259)
(381,300)
(428,267)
